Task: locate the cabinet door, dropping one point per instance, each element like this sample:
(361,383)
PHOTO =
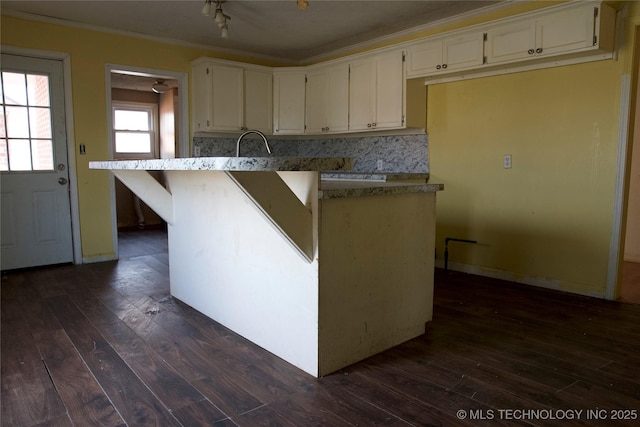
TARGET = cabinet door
(258,104)
(389,91)
(288,102)
(424,58)
(317,102)
(228,98)
(511,42)
(201,98)
(338,99)
(362,94)
(565,31)
(463,52)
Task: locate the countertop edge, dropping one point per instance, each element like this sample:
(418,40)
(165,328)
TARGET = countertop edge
(358,188)
(249,164)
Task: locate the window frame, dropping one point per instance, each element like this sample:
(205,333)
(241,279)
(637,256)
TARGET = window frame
(150,108)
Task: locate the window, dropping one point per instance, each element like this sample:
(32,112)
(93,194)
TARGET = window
(26,141)
(134,130)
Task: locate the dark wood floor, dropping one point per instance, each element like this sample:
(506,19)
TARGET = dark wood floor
(105,344)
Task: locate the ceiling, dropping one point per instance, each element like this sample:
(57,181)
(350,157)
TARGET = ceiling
(268,29)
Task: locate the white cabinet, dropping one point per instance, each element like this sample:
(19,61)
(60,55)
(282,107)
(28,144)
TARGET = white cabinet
(288,101)
(376,92)
(327,99)
(218,93)
(258,95)
(579,27)
(229,98)
(201,97)
(447,54)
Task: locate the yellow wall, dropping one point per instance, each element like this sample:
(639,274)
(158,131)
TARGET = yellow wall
(548,220)
(90,51)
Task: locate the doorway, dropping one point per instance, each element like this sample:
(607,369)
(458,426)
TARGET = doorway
(34,164)
(630,285)
(148,111)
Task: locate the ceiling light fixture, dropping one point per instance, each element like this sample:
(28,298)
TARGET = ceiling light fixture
(159,86)
(218,16)
(302,4)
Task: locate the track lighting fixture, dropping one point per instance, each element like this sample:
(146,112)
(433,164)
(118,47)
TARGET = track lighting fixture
(218,15)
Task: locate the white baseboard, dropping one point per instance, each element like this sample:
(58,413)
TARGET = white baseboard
(99,259)
(518,278)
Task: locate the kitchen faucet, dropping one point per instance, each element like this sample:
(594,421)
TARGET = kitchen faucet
(264,138)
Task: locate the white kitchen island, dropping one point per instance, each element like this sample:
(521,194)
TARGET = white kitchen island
(321,273)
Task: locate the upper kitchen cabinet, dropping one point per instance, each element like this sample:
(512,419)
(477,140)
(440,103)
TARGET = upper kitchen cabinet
(327,99)
(258,99)
(288,101)
(230,97)
(576,28)
(218,93)
(376,92)
(440,55)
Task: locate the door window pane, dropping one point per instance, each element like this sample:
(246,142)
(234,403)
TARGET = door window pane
(38,90)
(4,158)
(17,122)
(20,154)
(41,155)
(40,122)
(14,88)
(25,128)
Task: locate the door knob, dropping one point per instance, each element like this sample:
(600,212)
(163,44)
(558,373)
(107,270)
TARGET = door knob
(62,181)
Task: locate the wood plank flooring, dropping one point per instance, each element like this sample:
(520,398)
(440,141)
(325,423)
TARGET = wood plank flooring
(106,345)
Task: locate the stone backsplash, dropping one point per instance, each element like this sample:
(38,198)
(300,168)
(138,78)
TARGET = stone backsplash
(394,154)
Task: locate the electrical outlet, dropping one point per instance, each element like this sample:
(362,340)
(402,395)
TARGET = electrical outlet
(507,161)
(380,165)
(196,151)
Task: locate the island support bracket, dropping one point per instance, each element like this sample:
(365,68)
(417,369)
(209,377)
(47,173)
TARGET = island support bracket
(149,190)
(278,203)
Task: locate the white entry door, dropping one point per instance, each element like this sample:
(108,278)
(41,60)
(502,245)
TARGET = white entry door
(34,179)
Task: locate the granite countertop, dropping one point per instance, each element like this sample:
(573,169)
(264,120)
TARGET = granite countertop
(337,189)
(376,176)
(231,164)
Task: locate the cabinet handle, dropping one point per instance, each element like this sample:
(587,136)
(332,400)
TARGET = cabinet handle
(326,129)
(438,66)
(530,51)
(374,124)
(368,125)
(208,123)
(444,66)
(539,50)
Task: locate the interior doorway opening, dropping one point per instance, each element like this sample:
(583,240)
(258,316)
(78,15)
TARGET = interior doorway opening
(630,277)
(147,120)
